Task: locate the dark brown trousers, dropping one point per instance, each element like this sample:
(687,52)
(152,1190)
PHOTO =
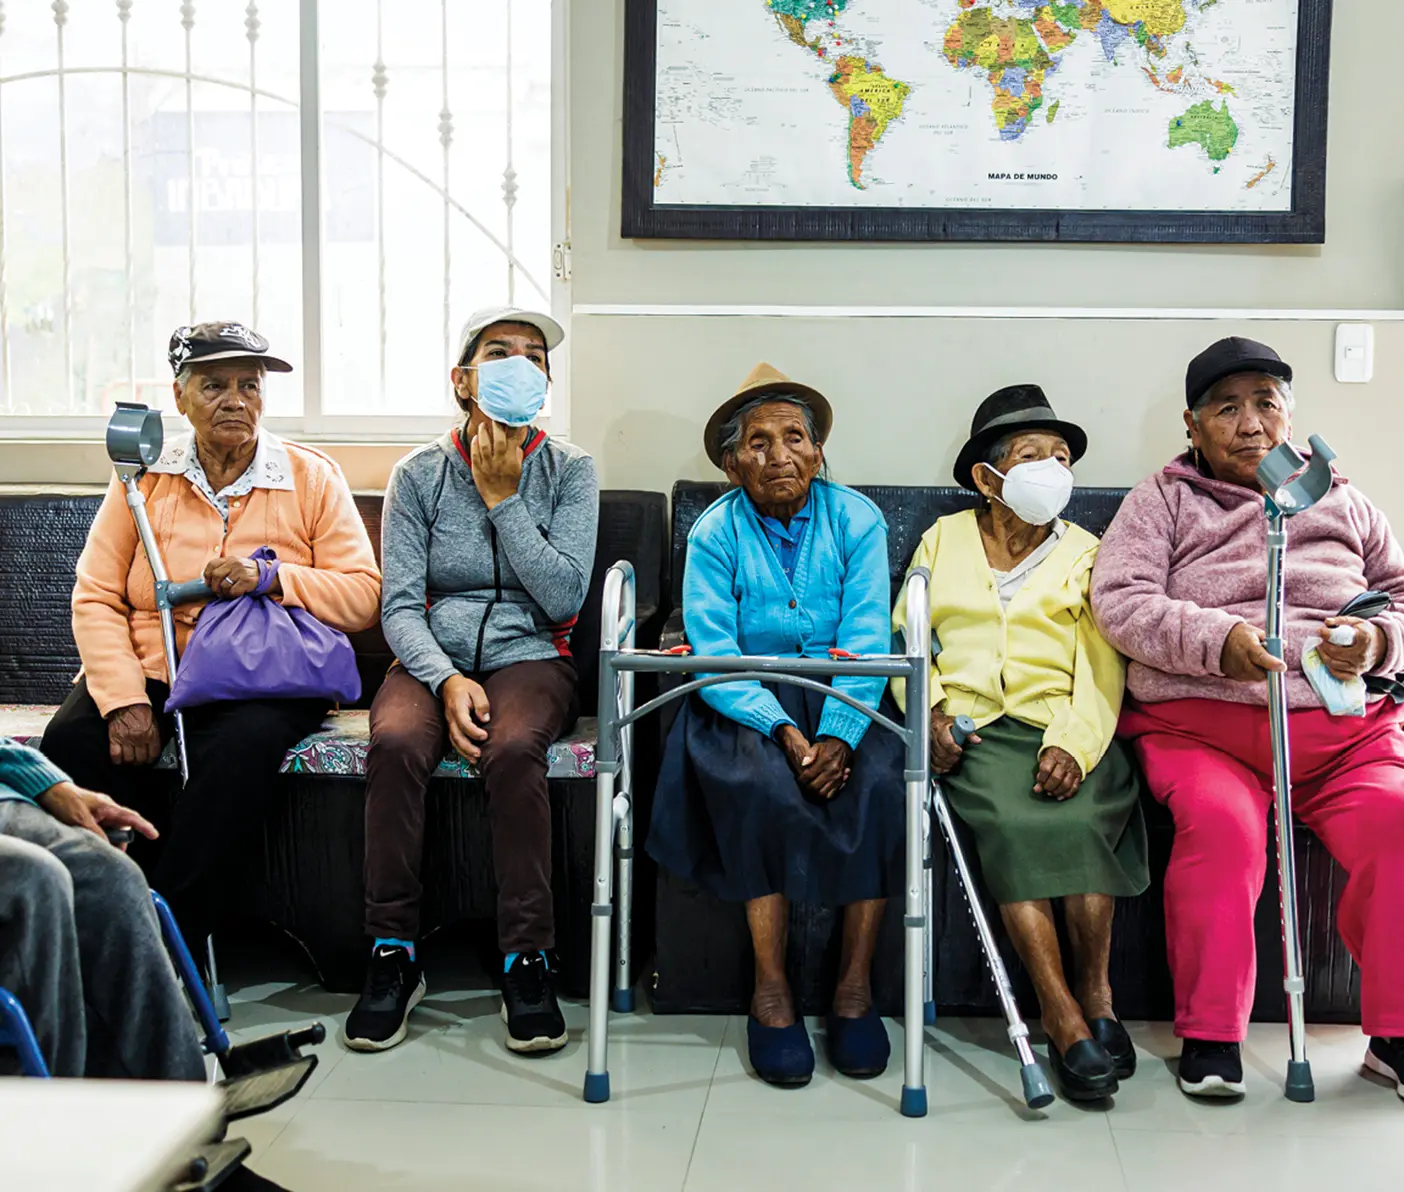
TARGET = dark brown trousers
(532,703)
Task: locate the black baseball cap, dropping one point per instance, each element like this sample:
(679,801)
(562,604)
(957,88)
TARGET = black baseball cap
(206,342)
(1228,358)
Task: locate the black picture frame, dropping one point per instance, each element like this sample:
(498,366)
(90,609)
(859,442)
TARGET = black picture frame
(1303,223)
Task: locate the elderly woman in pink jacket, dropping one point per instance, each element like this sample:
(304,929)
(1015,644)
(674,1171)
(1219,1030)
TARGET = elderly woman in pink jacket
(1179,587)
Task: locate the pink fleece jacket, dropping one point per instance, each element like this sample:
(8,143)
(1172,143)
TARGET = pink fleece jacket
(1185,560)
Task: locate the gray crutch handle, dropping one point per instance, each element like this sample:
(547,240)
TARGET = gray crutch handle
(191,590)
(962,729)
(1283,462)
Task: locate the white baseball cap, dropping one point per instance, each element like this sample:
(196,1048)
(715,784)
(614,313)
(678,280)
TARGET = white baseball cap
(482,319)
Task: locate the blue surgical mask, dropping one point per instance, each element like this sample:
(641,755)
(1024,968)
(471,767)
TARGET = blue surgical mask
(510,391)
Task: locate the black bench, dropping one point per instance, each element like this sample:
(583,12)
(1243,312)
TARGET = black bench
(307,878)
(703,961)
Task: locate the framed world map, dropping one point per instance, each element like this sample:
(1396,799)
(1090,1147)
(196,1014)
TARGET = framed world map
(1064,120)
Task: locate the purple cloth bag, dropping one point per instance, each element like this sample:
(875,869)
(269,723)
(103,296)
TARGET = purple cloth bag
(254,648)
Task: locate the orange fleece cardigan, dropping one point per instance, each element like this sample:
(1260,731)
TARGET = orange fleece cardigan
(328,566)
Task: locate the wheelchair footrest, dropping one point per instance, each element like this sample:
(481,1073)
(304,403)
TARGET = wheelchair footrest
(272,1051)
(212,1165)
(258,1092)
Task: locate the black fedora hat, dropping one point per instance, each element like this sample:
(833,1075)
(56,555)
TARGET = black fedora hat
(1013,410)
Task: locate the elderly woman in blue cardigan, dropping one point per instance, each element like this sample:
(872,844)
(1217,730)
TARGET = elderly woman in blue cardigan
(771,793)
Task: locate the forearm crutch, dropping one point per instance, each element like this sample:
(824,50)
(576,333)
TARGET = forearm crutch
(619,660)
(1037,1091)
(134,438)
(1289,489)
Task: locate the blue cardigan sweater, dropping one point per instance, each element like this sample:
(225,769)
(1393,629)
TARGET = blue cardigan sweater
(736,600)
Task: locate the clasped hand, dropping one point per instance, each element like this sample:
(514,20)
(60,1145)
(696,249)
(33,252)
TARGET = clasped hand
(821,768)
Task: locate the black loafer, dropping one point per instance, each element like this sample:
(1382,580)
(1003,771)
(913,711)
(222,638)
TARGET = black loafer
(1086,1073)
(1112,1035)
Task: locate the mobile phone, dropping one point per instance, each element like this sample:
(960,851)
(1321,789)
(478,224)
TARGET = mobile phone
(119,836)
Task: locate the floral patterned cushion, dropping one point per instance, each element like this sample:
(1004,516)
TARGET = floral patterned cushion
(338,748)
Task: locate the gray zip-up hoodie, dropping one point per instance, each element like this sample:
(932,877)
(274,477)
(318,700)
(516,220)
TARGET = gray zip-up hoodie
(466,589)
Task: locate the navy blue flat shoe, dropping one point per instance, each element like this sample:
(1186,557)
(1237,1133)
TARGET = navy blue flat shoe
(781,1055)
(858,1047)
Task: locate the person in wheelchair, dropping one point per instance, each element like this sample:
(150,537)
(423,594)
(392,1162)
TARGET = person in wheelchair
(1049,795)
(770,793)
(1179,588)
(79,943)
(215,495)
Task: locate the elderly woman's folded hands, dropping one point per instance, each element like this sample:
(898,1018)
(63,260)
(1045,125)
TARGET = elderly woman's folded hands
(821,768)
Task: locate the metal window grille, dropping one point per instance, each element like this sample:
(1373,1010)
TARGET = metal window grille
(351,179)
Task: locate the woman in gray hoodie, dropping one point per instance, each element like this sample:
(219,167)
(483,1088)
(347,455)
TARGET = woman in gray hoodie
(487,546)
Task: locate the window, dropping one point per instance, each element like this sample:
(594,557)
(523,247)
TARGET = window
(154,158)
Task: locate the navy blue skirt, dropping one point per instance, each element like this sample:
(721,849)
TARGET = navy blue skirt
(729,817)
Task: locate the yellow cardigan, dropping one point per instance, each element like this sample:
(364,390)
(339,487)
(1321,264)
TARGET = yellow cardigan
(1043,661)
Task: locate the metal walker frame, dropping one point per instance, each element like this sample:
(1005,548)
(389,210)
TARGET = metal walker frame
(614,816)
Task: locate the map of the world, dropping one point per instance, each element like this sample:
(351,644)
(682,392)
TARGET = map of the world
(1146,105)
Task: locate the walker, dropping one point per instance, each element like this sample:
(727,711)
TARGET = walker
(1291,485)
(614,816)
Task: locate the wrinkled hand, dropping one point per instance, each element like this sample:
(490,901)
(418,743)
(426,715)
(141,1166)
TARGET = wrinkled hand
(497,463)
(945,753)
(1245,659)
(822,768)
(1358,658)
(233,577)
(91,811)
(467,712)
(1059,775)
(132,736)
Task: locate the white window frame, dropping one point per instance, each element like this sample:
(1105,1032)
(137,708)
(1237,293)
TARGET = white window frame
(313,425)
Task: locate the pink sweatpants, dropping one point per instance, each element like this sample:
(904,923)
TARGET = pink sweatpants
(1210,762)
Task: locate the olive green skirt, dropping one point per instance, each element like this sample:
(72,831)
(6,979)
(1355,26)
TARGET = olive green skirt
(1031,847)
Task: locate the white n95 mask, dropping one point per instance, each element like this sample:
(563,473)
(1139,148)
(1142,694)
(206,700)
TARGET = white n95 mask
(1037,492)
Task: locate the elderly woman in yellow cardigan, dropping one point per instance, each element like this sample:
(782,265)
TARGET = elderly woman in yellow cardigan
(1047,792)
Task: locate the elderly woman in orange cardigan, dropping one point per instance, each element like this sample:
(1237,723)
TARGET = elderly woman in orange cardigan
(215,496)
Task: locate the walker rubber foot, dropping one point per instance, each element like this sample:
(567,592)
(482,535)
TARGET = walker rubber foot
(1300,1086)
(928,1014)
(220,999)
(621,1001)
(913,1102)
(1038,1093)
(596,1087)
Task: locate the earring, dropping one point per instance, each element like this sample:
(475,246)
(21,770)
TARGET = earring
(1198,464)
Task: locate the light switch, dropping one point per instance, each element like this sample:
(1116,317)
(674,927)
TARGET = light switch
(1355,353)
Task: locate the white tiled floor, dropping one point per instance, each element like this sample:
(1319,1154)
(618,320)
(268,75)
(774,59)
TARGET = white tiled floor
(450,1109)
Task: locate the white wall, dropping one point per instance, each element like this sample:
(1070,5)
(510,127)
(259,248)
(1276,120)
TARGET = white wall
(904,389)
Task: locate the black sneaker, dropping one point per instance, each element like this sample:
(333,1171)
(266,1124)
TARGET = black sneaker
(394,986)
(1209,1069)
(1386,1057)
(529,1006)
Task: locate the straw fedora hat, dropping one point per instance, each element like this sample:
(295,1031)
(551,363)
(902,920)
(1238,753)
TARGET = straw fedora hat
(766,379)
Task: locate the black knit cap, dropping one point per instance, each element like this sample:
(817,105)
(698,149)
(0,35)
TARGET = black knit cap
(1228,358)
(1011,411)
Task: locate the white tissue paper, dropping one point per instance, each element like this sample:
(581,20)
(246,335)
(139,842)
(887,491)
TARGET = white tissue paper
(1339,698)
